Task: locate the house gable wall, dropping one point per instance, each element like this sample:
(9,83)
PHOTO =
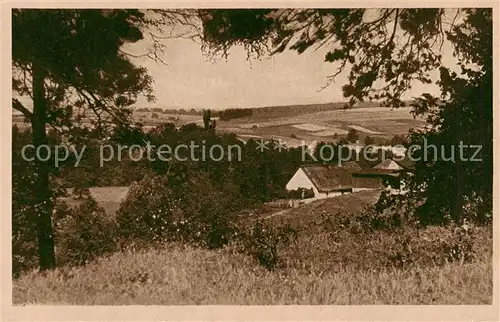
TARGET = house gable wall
(301,180)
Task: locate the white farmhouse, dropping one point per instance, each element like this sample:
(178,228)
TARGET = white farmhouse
(325,180)
(330,181)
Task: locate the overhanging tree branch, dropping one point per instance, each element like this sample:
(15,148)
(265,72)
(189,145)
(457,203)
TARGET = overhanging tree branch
(17,105)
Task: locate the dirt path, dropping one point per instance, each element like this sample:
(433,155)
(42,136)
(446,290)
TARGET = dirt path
(277,213)
(281,212)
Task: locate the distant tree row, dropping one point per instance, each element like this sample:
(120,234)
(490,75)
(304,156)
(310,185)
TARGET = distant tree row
(169,111)
(268,111)
(233,113)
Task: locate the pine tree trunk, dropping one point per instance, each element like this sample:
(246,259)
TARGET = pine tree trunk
(43,193)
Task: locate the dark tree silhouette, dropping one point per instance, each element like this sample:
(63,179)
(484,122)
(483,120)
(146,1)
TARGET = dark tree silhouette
(352,136)
(207,116)
(67,61)
(369,140)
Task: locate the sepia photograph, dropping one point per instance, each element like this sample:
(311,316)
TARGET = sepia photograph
(251,156)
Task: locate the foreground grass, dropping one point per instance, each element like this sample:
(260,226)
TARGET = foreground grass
(178,275)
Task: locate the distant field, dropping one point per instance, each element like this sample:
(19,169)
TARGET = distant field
(306,122)
(309,127)
(108,198)
(363,129)
(331,132)
(375,121)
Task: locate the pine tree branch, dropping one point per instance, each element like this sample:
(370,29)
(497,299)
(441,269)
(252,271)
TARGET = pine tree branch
(17,105)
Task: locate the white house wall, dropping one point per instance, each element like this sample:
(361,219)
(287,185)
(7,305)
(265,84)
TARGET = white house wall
(324,195)
(301,180)
(362,189)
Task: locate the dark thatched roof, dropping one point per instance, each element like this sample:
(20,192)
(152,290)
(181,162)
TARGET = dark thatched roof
(328,178)
(376,172)
(351,166)
(369,182)
(388,164)
(406,163)
(348,175)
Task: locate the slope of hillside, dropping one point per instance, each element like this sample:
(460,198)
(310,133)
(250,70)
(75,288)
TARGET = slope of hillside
(317,210)
(325,125)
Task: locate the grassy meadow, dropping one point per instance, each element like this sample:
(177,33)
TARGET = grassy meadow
(178,275)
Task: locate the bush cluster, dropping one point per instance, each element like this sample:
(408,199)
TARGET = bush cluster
(433,245)
(383,236)
(24,245)
(341,241)
(83,233)
(450,243)
(194,212)
(265,243)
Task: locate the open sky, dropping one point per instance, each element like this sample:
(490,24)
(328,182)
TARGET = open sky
(192,80)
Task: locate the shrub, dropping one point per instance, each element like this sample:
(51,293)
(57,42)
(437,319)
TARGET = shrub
(300,193)
(390,211)
(195,212)
(24,244)
(433,245)
(342,242)
(264,243)
(459,248)
(209,211)
(149,210)
(474,210)
(352,135)
(373,218)
(83,234)
(81,193)
(376,239)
